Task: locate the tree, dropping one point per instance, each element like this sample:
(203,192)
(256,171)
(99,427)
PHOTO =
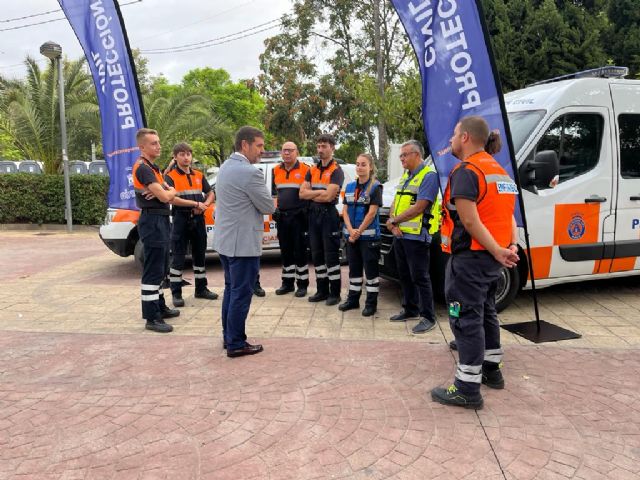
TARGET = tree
(622,41)
(30,112)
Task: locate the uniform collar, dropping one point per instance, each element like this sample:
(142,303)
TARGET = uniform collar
(295,166)
(182,172)
(413,173)
(148,162)
(328,164)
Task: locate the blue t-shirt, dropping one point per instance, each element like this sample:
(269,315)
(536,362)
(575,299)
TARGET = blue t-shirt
(428,190)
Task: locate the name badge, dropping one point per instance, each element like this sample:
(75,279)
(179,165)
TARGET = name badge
(507,187)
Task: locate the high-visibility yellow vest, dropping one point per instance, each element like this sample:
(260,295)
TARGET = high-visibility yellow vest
(406,196)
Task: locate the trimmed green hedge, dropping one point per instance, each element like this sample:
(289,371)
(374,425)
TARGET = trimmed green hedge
(29,198)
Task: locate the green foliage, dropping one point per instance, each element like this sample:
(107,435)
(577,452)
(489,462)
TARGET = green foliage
(623,39)
(28,198)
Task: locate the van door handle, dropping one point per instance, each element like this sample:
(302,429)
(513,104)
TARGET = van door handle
(635,197)
(595,199)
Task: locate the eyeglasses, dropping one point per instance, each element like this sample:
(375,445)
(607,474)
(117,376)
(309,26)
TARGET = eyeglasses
(405,155)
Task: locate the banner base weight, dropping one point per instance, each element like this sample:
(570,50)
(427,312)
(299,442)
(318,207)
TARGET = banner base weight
(542,332)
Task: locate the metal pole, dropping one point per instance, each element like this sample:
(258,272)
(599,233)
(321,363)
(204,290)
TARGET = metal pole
(65,158)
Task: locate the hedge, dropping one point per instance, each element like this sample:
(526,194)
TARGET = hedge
(29,198)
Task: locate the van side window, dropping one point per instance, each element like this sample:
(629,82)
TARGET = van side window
(576,138)
(629,145)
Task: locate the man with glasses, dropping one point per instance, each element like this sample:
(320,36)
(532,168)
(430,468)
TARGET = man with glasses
(412,222)
(291,221)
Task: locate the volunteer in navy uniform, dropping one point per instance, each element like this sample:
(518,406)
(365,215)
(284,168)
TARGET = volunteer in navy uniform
(193,196)
(322,186)
(152,198)
(480,233)
(362,198)
(291,221)
(413,219)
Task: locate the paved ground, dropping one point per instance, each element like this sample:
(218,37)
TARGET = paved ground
(85,392)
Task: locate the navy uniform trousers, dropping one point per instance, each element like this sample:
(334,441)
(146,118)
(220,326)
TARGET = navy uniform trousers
(292,228)
(154,234)
(471,279)
(412,260)
(187,229)
(324,237)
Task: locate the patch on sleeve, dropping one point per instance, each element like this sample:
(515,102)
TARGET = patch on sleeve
(507,187)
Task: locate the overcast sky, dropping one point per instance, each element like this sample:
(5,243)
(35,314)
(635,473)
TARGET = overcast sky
(151,24)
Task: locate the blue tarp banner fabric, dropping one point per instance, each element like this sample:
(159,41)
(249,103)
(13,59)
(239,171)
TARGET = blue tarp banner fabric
(100,30)
(457,74)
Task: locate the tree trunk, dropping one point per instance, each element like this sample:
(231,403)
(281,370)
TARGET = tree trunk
(383,138)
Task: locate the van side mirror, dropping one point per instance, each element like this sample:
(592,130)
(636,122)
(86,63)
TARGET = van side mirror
(542,172)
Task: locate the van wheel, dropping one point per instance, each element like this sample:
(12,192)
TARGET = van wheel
(138,254)
(508,286)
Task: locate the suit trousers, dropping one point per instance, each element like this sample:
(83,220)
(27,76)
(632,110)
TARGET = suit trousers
(324,237)
(412,260)
(188,229)
(471,279)
(154,234)
(240,275)
(292,235)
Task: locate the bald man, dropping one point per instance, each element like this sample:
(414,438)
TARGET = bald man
(291,221)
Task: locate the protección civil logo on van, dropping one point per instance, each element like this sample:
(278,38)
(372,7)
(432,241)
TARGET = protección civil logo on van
(577,227)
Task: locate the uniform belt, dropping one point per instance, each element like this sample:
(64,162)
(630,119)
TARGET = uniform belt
(156,211)
(322,206)
(291,211)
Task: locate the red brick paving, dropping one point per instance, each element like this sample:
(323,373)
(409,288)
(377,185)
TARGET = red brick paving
(111,406)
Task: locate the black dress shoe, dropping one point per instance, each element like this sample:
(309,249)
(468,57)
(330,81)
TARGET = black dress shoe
(402,317)
(318,297)
(424,325)
(206,294)
(332,300)
(178,301)
(284,289)
(369,310)
(301,292)
(453,345)
(246,350)
(158,326)
(348,305)
(258,291)
(169,312)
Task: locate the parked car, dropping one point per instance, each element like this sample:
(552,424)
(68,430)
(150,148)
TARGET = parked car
(577,144)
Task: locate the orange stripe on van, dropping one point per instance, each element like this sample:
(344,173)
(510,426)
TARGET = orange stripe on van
(208,215)
(541,259)
(623,264)
(126,216)
(576,223)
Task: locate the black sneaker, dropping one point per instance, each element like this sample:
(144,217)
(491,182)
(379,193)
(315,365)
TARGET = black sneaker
(402,317)
(284,289)
(423,326)
(178,301)
(318,297)
(301,292)
(169,313)
(258,291)
(493,378)
(349,305)
(332,300)
(158,326)
(206,294)
(451,396)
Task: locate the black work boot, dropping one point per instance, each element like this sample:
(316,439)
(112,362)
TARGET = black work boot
(452,396)
(370,305)
(178,301)
(206,294)
(351,303)
(158,326)
(319,296)
(284,289)
(258,291)
(492,375)
(167,312)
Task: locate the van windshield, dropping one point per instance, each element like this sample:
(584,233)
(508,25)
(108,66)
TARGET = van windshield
(522,124)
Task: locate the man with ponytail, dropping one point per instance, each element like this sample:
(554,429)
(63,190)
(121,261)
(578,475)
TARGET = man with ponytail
(480,233)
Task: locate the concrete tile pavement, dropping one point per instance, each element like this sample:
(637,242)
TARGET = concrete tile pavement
(86,392)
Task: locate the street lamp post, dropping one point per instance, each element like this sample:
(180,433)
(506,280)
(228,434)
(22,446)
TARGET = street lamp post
(53,51)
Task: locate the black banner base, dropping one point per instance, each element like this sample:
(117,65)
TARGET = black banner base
(545,332)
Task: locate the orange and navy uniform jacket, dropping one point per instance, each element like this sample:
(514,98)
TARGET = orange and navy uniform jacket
(495,202)
(321,177)
(189,186)
(286,185)
(145,173)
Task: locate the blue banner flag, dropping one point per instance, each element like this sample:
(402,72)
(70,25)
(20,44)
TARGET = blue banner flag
(458,75)
(100,29)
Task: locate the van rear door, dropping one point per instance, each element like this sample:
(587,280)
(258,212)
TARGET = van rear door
(626,102)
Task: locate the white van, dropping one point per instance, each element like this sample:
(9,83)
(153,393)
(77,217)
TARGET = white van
(577,144)
(120,233)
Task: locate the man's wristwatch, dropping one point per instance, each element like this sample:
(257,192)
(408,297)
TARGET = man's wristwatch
(393,222)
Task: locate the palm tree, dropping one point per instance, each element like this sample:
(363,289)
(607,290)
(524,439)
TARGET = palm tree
(179,116)
(30,112)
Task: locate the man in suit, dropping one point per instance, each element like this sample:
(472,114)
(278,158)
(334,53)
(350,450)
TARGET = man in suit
(242,200)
